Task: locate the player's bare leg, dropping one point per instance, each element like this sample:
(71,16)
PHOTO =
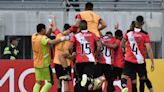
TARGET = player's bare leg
(65,67)
(66,77)
(66,86)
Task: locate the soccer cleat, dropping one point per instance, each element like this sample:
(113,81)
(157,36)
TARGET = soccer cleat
(125,90)
(97,82)
(84,80)
(117,83)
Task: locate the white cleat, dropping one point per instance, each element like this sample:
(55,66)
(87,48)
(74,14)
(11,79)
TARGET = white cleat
(84,80)
(118,83)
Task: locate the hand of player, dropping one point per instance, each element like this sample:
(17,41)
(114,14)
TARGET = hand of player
(64,38)
(67,37)
(52,22)
(116,26)
(103,43)
(152,67)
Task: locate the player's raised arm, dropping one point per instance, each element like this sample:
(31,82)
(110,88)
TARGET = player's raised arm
(77,22)
(102,24)
(123,43)
(53,27)
(56,41)
(98,49)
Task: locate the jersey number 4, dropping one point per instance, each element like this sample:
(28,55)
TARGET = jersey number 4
(135,49)
(85,48)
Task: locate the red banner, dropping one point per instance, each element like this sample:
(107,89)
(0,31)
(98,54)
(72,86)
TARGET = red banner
(18,76)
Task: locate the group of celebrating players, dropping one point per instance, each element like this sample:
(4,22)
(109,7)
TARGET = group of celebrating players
(95,57)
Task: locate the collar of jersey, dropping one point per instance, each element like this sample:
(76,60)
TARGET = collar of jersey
(84,30)
(137,29)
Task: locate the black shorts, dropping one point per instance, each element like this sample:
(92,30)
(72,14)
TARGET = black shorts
(59,70)
(131,68)
(107,71)
(92,70)
(117,72)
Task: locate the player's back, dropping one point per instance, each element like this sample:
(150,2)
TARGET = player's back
(92,21)
(106,54)
(118,55)
(40,52)
(85,46)
(135,49)
(61,48)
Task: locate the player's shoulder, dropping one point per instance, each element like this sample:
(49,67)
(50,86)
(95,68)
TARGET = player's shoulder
(59,34)
(129,31)
(35,34)
(117,40)
(142,31)
(44,37)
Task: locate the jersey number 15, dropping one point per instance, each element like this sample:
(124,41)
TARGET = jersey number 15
(85,48)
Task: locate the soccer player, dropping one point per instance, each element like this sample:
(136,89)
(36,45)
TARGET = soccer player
(133,77)
(86,67)
(42,60)
(137,41)
(118,62)
(62,67)
(94,22)
(106,58)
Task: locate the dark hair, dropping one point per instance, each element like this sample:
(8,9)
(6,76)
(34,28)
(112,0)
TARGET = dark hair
(40,27)
(12,38)
(83,24)
(139,18)
(118,33)
(89,6)
(109,32)
(66,26)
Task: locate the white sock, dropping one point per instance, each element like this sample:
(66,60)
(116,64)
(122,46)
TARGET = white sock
(151,90)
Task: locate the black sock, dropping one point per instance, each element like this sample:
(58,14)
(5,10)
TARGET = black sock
(148,83)
(142,86)
(110,87)
(123,82)
(134,87)
(59,89)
